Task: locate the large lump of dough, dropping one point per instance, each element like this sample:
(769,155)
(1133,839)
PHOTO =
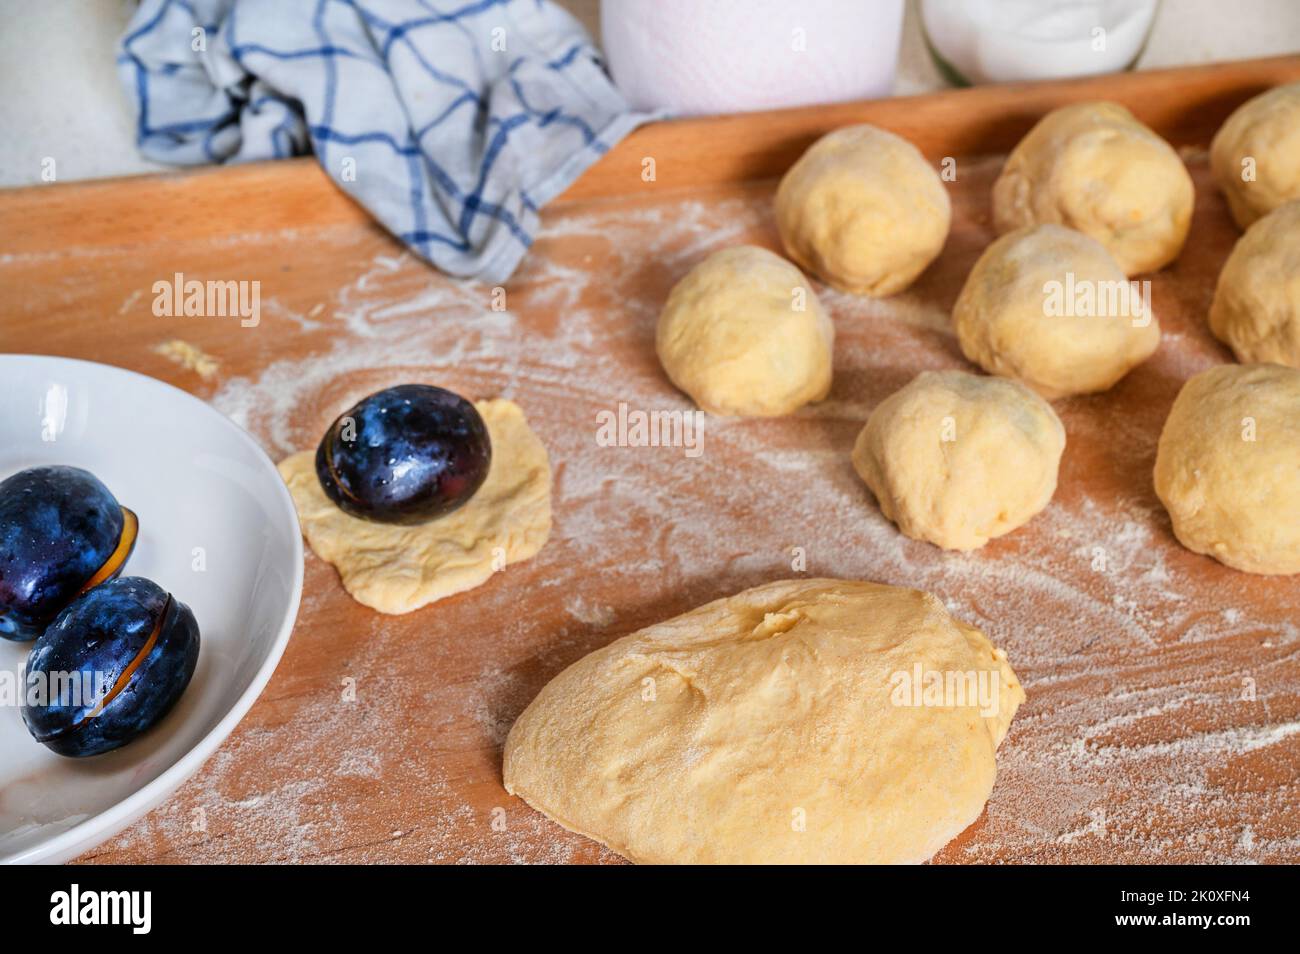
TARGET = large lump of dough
(771,727)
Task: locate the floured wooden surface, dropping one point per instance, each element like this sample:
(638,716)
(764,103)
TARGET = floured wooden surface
(1135,744)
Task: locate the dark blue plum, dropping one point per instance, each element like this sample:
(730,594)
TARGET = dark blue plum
(406,455)
(61,533)
(133,648)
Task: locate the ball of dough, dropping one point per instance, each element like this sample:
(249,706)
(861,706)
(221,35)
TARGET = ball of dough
(1255,155)
(863,211)
(1256,308)
(1095,168)
(744,334)
(780,725)
(1228,466)
(957,458)
(1049,306)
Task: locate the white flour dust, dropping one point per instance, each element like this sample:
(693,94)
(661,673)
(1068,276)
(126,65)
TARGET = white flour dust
(1139,740)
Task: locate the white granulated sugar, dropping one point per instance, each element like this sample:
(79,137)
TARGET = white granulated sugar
(1141,739)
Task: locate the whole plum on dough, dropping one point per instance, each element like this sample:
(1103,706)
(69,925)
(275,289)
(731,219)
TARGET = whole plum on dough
(408,454)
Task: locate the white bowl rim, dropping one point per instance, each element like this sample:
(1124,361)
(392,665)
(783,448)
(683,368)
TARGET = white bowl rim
(112,820)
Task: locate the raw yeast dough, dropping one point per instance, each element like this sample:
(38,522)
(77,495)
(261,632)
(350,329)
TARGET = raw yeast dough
(777,725)
(395,568)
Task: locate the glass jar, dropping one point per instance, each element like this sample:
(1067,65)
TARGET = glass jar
(1001,41)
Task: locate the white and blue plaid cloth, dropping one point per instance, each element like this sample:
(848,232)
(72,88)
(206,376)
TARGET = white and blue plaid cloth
(451,121)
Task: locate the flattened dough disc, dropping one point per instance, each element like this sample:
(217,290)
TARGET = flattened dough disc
(396,569)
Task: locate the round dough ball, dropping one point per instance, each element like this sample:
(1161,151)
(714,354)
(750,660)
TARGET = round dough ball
(957,458)
(1095,168)
(777,726)
(863,211)
(1228,466)
(1049,306)
(1265,129)
(1256,308)
(744,334)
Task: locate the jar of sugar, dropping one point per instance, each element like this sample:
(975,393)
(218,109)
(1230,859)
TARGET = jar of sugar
(722,56)
(999,41)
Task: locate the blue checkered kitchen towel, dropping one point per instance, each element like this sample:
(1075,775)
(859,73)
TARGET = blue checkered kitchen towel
(452,122)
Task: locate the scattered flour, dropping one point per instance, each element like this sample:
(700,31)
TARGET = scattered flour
(1161,722)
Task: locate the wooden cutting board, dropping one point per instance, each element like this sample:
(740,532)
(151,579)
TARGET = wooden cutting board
(1163,713)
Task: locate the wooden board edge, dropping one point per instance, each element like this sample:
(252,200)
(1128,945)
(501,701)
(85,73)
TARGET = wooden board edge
(266,197)
(1179,103)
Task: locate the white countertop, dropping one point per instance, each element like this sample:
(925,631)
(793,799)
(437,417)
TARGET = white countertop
(60,97)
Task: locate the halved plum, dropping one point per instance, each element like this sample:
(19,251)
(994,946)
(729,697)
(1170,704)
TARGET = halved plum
(109,667)
(62,533)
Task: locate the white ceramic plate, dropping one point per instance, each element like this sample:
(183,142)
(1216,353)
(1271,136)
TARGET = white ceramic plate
(197,482)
